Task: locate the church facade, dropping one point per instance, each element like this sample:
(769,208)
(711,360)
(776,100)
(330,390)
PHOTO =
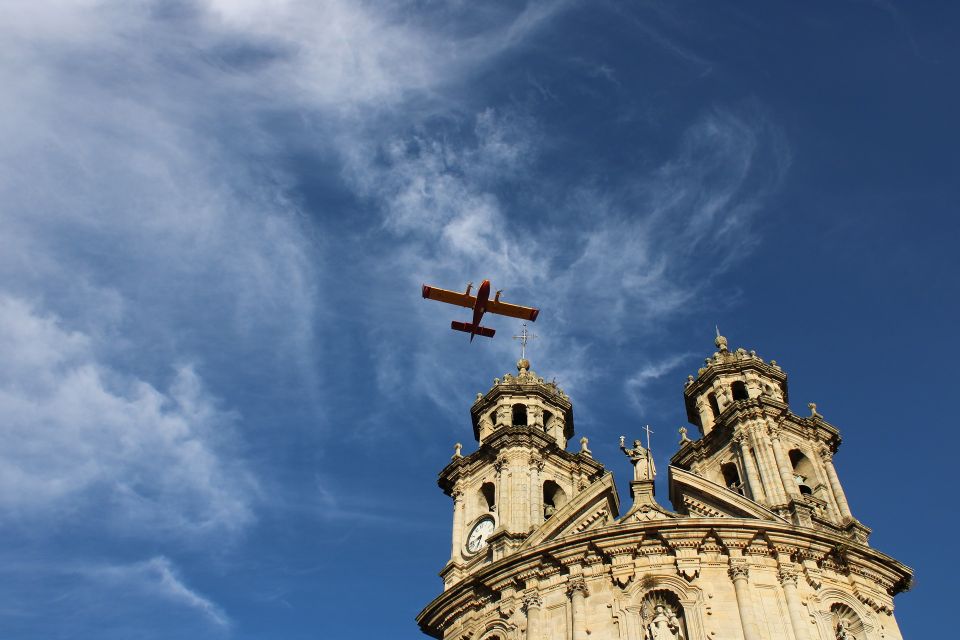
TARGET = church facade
(760,544)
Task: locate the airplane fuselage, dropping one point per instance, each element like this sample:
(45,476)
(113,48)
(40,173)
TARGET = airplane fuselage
(480,306)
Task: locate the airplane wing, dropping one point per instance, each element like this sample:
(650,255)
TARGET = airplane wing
(513,310)
(450,297)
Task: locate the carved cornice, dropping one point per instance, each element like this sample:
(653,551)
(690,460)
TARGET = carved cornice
(531,438)
(875,575)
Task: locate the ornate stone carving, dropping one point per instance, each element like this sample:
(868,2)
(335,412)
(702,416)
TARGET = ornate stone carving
(536,462)
(788,574)
(532,600)
(535,415)
(576,584)
(739,570)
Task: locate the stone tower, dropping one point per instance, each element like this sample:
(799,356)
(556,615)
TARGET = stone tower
(753,444)
(520,476)
(760,544)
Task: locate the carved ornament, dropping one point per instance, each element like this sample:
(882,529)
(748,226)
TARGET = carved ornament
(577,584)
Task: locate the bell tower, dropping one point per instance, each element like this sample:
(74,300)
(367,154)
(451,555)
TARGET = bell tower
(753,444)
(520,475)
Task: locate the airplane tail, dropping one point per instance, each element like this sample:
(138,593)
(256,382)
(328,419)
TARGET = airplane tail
(466,327)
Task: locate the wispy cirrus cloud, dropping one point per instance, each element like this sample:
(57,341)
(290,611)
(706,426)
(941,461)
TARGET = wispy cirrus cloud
(81,437)
(156,578)
(643,250)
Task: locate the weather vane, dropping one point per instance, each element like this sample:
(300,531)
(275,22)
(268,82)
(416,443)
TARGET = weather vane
(523,338)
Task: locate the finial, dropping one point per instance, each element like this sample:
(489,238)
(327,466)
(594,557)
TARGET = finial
(583,447)
(683,435)
(813,410)
(523,338)
(720,341)
(456,451)
(523,365)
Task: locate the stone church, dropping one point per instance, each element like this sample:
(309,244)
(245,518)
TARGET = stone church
(760,543)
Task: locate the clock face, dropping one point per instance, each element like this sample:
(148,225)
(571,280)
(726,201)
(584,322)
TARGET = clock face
(478,536)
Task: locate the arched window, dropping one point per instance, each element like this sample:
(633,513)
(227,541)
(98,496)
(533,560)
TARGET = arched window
(845,623)
(520,415)
(554,497)
(712,399)
(803,472)
(488,496)
(662,616)
(731,477)
(739,390)
(547,417)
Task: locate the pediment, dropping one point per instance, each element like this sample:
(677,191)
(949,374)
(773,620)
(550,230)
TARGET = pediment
(701,498)
(594,507)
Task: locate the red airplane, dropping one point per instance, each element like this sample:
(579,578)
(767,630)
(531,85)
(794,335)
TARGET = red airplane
(480,305)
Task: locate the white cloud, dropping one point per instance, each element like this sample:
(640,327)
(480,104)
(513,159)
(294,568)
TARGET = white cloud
(157,578)
(618,261)
(80,436)
(638,383)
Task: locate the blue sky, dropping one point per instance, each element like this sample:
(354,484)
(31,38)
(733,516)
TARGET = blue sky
(223,403)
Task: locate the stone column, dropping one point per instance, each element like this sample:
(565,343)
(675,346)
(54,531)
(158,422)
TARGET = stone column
(458,508)
(838,494)
(577,590)
(746,461)
(739,574)
(501,469)
(788,578)
(771,479)
(536,491)
(783,464)
(706,416)
(533,604)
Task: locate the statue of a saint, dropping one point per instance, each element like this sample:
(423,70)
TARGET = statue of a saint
(643,468)
(843,631)
(664,626)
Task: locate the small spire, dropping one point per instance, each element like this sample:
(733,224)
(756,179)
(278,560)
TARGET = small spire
(721,342)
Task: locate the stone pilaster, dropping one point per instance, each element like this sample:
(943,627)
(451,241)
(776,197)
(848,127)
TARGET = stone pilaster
(789,575)
(533,605)
(827,457)
(740,574)
(768,468)
(458,524)
(783,465)
(578,592)
(746,461)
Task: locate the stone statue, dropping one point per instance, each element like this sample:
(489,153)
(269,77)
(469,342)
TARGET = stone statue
(456,450)
(664,626)
(643,468)
(683,435)
(843,631)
